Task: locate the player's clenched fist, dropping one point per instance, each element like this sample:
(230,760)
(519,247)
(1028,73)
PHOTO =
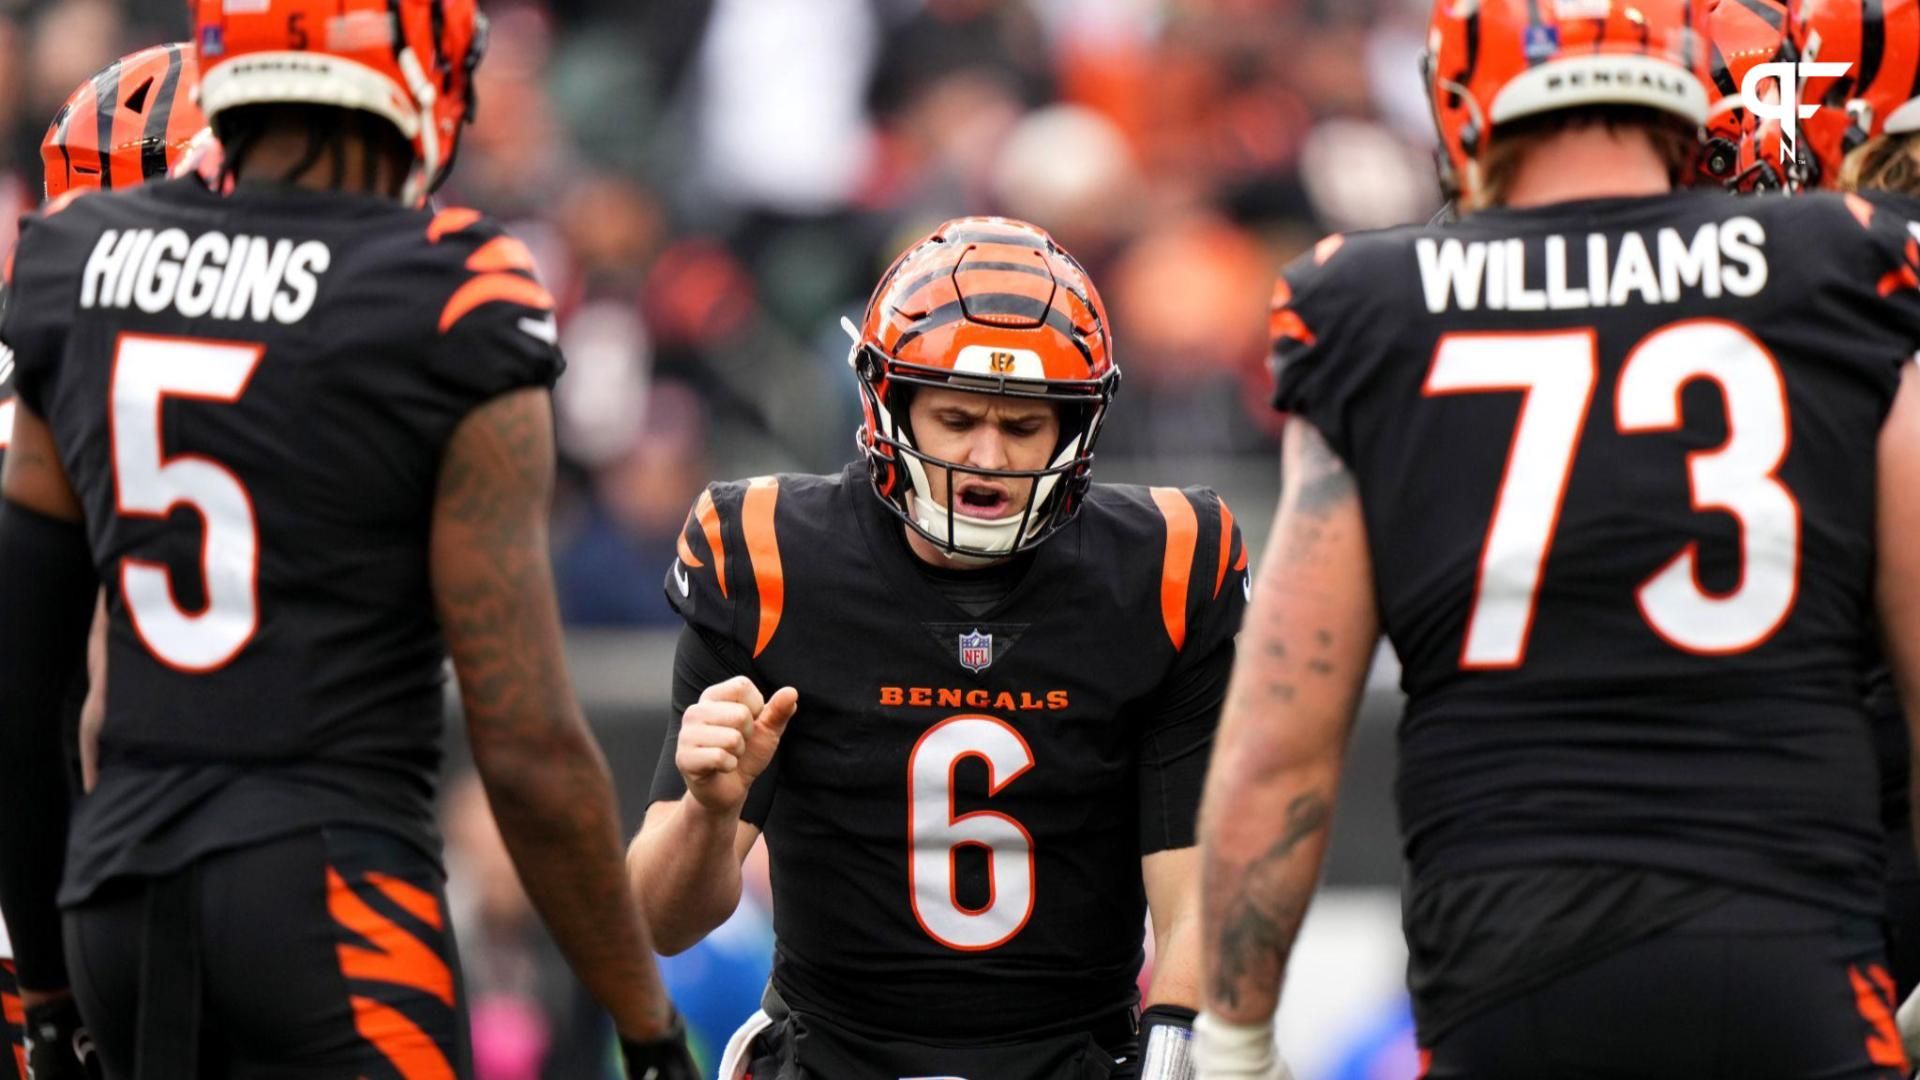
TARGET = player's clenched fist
(728,737)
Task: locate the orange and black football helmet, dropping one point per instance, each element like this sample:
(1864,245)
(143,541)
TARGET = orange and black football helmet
(991,306)
(132,122)
(1879,95)
(1742,153)
(409,62)
(1490,62)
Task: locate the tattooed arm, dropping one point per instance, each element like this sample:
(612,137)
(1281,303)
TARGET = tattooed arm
(1302,663)
(542,770)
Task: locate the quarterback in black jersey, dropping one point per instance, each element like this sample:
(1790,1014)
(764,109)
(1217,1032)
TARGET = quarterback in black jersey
(1607,464)
(992,685)
(301,434)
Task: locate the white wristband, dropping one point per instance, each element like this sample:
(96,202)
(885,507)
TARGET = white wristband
(1224,1050)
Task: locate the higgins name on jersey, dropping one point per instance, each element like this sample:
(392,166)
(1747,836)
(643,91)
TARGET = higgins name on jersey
(209,275)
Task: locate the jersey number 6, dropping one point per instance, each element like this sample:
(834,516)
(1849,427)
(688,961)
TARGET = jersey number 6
(1556,371)
(148,484)
(935,836)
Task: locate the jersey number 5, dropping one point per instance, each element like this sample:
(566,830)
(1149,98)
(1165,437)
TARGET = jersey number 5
(148,484)
(935,836)
(1556,371)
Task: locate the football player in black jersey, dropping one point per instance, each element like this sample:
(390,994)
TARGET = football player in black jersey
(132,121)
(1607,464)
(965,693)
(1865,137)
(302,435)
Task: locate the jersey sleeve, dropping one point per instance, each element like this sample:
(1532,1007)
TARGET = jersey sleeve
(495,328)
(1881,280)
(726,579)
(1177,720)
(1322,342)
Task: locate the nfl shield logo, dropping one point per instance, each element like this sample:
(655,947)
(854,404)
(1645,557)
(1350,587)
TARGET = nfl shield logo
(976,651)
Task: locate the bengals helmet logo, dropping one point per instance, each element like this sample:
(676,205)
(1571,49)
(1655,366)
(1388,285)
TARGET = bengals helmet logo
(1001,363)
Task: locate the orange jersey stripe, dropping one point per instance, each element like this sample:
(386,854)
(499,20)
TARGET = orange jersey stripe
(491,288)
(1883,1044)
(1226,548)
(501,253)
(14,1012)
(449,221)
(1285,324)
(400,1040)
(413,899)
(709,516)
(1183,535)
(397,957)
(763,552)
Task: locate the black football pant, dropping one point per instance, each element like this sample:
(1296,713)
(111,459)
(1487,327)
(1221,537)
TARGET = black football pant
(321,954)
(1755,989)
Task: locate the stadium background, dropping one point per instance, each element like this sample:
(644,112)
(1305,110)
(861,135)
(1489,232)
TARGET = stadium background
(709,185)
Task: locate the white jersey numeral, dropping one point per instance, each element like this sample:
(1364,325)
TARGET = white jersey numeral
(1738,478)
(935,835)
(1557,371)
(147,483)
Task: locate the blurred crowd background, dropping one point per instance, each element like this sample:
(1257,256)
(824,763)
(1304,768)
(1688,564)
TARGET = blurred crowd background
(710,185)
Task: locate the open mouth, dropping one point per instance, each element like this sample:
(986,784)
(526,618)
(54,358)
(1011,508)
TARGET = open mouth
(982,501)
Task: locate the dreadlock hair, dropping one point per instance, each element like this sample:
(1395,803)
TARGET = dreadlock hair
(1677,143)
(328,128)
(1884,163)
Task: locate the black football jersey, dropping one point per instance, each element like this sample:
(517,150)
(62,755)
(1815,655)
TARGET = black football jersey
(957,812)
(1616,460)
(251,396)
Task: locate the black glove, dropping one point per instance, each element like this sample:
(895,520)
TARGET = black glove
(666,1058)
(58,1045)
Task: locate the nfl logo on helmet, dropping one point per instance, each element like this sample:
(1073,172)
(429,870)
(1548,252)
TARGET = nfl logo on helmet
(976,651)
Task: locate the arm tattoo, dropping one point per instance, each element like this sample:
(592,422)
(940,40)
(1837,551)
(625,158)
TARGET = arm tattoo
(545,776)
(1264,913)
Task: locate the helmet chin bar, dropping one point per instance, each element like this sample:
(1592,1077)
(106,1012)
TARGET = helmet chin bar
(962,537)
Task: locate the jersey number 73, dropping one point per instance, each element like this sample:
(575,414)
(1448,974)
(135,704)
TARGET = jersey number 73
(1557,372)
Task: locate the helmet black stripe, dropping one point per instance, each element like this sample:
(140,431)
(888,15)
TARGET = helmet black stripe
(997,303)
(106,88)
(1873,42)
(153,149)
(1722,77)
(1774,17)
(921,282)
